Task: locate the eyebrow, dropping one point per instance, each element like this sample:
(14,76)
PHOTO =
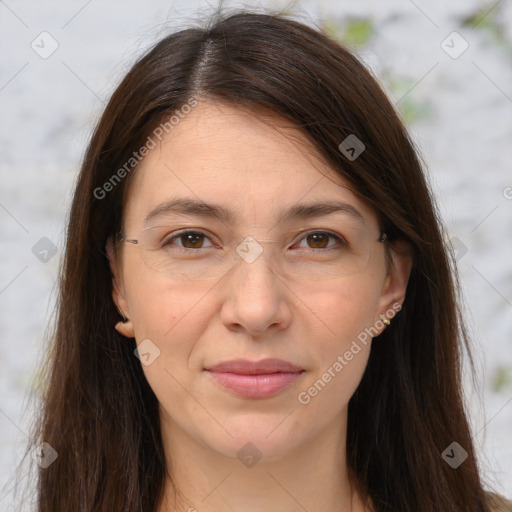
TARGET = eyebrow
(299,211)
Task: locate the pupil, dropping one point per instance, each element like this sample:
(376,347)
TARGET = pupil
(316,237)
(192,238)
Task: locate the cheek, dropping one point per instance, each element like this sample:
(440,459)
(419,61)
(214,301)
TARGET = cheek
(160,307)
(325,396)
(173,316)
(166,315)
(344,309)
(340,349)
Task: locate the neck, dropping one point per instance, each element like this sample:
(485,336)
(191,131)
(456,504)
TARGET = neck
(313,476)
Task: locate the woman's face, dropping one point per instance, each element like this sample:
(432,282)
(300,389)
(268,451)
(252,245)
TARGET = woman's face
(257,310)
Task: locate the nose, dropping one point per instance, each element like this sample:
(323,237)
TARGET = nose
(256,297)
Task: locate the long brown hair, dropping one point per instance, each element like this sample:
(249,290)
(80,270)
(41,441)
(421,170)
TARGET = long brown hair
(99,412)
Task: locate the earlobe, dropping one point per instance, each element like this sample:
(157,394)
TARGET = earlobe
(124,327)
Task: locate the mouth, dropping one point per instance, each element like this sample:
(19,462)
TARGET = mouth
(255,379)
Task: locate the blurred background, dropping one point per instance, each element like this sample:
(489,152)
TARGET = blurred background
(447,68)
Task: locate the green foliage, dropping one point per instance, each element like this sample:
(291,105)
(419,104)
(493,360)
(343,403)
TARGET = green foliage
(502,378)
(355,31)
(32,381)
(489,21)
(358,31)
(410,110)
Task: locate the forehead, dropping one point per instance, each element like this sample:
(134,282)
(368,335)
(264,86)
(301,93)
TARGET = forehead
(256,164)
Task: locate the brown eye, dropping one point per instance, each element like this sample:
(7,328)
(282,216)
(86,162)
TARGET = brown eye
(320,240)
(188,240)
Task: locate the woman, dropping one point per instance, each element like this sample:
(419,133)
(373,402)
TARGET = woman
(257,310)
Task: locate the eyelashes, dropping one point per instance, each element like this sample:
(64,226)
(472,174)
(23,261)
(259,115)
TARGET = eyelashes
(195,240)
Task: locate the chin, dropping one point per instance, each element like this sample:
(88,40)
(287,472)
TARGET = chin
(255,437)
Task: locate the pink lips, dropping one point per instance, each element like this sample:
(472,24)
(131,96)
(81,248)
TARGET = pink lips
(259,379)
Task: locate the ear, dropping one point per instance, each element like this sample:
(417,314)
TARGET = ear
(395,285)
(118,293)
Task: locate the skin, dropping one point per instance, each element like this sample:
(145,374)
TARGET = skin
(221,154)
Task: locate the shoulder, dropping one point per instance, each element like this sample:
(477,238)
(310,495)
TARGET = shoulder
(498,503)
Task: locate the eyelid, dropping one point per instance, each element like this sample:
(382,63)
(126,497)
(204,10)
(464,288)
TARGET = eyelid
(338,236)
(199,231)
(300,237)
